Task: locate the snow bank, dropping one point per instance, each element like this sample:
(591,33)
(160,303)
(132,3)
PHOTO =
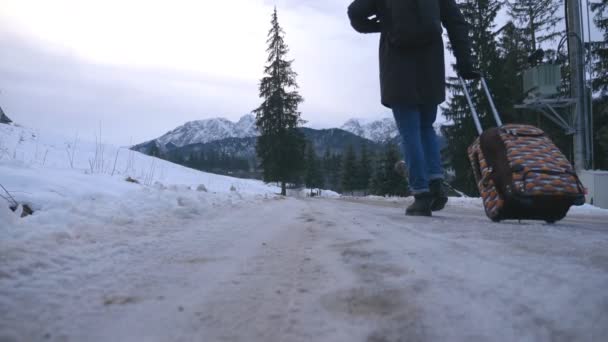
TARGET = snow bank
(588,209)
(319,193)
(75,186)
(25,148)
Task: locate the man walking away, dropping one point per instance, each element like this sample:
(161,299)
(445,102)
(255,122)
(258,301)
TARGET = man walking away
(412,80)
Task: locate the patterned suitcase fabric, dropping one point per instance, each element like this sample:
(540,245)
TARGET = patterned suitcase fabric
(539,168)
(492,202)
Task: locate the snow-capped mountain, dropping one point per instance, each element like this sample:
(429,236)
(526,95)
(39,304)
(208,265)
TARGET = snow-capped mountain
(204,131)
(379,131)
(211,134)
(210,130)
(246,125)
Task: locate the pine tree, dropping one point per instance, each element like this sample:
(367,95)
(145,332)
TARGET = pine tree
(600,49)
(155,151)
(481,15)
(313,178)
(537,20)
(378,176)
(395,184)
(280,146)
(364,170)
(508,85)
(385,180)
(326,168)
(336,173)
(349,170)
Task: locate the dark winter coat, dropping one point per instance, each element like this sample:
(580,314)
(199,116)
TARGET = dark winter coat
(416,75)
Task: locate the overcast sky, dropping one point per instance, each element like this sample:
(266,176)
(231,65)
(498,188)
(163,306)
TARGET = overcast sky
(140,68)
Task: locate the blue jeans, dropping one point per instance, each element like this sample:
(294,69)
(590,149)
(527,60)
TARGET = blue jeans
(419,144)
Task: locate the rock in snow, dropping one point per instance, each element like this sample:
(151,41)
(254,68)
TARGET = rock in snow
(3,118)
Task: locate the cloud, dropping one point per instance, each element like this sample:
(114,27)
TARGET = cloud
(141,76)
(65,94)
(142,67)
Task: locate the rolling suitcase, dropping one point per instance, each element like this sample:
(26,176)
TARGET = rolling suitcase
(520,172)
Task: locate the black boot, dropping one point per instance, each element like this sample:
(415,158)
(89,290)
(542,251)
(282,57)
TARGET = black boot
(421,206)
(439,194)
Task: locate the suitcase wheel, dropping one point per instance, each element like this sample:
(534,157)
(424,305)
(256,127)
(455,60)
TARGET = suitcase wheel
(556,218)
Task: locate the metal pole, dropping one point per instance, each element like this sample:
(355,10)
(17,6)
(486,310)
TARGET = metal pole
(473,110)
(577,80)
(491,100)
(590,89)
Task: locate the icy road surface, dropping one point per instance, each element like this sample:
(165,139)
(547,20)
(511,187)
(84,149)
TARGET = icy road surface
(318,270)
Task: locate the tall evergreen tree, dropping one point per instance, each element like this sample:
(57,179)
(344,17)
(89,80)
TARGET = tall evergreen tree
(364,170)
(385,180)
(280,146)
(537,20)
(481,15)
(513,53)
(600,49)
(349,170)
(326,168)
(313,177)
(396,184)
(336,173)
(155,151)
(376,186)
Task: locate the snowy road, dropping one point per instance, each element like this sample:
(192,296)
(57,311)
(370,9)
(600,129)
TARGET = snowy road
(319,270)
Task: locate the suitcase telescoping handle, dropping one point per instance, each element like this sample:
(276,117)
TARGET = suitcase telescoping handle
(472,106)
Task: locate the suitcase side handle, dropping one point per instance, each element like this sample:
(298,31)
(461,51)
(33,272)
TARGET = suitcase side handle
(472,106)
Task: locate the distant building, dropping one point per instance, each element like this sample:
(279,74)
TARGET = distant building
(3,118)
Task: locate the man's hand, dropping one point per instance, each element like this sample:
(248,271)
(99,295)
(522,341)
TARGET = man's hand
(363,16)
(467,71)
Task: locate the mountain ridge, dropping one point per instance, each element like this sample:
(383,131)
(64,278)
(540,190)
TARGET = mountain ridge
(215,129)
(380,131)
(205,131)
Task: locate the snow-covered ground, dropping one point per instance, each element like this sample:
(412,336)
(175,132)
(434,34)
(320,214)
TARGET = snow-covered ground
(78,191)
(81,198)
(103,259)
(73,183)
